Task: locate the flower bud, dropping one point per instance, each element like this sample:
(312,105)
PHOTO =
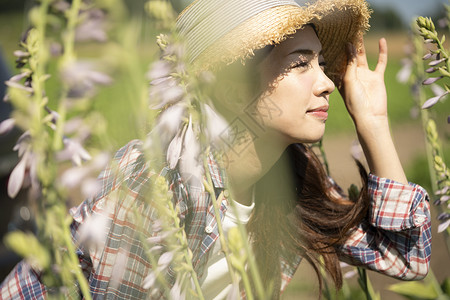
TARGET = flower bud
(431,80)
(427,56)
(443,216)
(7,125)
(442,227)
(436,62)
(421,22)
(432,101)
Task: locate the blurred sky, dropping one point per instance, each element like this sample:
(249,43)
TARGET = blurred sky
(408,9)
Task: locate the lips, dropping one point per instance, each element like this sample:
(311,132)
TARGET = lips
(319,112)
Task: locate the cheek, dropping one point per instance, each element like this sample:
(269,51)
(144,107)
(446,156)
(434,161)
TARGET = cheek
(292,95)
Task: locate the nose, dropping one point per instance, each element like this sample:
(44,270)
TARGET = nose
(324,86)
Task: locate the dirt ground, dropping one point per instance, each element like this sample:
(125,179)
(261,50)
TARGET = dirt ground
(409,140)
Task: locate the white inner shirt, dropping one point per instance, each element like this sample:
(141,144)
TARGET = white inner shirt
(216,281)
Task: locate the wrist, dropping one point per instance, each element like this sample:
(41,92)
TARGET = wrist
(373,125)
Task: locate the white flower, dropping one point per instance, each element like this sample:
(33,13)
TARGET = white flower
(19,86)
(119,267)
(405,72)
(443,226)
(176,292)
(432,101)
(73,151)
(16,179)
(159,69)
(174,150)
(168,123)
(73,176)
(94,229)
(100,161)
(191,169)
(165,91)
(350,273)
(7,125)
(437,90)
(164,260)
(149,280)
(17,176)
(92,28)
(73,125)
(90,187)
(356,150)
(82,78)
(216,125)
(23,143)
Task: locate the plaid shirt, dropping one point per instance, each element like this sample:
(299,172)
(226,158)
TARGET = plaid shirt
(394,240)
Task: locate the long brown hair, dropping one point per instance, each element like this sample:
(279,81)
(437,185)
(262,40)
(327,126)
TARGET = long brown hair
(299,211)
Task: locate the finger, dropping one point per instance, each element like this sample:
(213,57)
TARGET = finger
(351,59)
(382,57)
(350,71)
(361,56)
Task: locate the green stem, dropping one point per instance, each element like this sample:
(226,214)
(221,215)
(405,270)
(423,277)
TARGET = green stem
(209,186)
(40,60)
(246,282)
(192,271)
(186,255)
(82,281)
(327,292)
(147,251)
(251,258)
(68,56)
(69,37)
(363,282)
(435,283)
(425,118)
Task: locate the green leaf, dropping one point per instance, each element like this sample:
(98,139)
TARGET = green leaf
(446,286)
(353,192)
(444,72)
(28,246)
(414,289)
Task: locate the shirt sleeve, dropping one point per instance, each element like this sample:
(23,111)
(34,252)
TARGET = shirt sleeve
(128,174)
(395,239)
(22,283)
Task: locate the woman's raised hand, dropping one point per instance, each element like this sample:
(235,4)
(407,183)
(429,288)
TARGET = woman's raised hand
(363,90)
(364,93)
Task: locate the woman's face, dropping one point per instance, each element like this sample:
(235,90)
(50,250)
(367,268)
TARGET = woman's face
(295,103)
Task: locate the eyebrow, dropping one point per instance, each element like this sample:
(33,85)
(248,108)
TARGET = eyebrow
(305,52)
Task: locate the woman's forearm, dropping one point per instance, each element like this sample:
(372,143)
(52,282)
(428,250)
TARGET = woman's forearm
(379,149)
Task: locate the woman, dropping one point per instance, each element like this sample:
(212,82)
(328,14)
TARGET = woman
(294,56)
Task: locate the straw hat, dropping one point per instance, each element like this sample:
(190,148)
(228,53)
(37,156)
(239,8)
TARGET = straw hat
(223,31)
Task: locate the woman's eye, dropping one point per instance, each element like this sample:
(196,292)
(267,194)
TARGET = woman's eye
(301,64)
(323,65)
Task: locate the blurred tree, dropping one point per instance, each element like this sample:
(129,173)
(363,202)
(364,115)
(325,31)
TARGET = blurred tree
(11,5)
(179,5)
(385,19)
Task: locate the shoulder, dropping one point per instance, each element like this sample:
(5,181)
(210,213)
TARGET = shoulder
(129,158)
(127,171)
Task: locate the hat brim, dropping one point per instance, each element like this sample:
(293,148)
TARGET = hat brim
(337,23)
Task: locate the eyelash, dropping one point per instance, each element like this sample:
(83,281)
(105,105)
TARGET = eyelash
(307,63)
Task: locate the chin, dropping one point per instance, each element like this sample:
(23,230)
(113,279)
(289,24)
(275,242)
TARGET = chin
(309,139)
